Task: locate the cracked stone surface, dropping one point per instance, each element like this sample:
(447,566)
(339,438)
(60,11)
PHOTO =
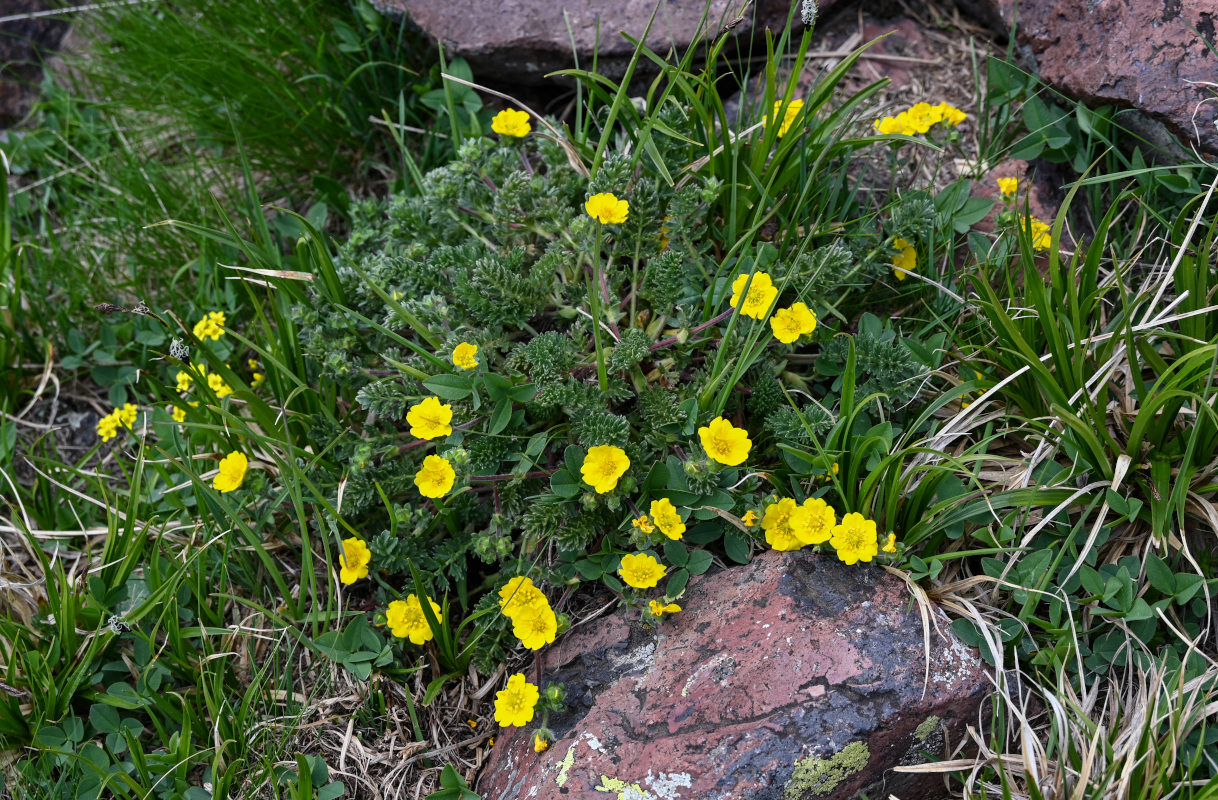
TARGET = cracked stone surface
(519,41)
(793,678)
(1129,53)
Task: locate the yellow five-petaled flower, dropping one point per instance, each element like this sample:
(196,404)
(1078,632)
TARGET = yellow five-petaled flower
(724,442)
(407,621)
(905,261)
(211,326)
(353,561)
(603,465)
(516,703)
(606,209)
(430,419)
(791,323)
(658,609)
(465,355)
(511,122)
(788,117)
(435,478)
(641,570)
(667,519)
(761,295)
(232,472)
(855,539)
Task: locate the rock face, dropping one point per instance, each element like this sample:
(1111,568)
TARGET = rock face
(794,678)
(519,41)
(1132,53)
(24,39)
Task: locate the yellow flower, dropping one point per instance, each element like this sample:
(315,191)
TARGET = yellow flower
(1039,232)
(511,122)
(891,545)
(643,524)
(749,519)
(184,381)
(435,478)
(659,610)
(258,378)
(1008,186)
(107,426)
(516,703)
(855,539)
(603,465)
(354,560)
(641,570)
(217,385)
(430,419)
(126,415)
(777,524)
(791,323)
(536,630)
(232,472)
(788,118)
(606,209)
(519,597)
(761,296)
(724,442)
(816,526)
(667,519)
(406,620)
(950,114)
(888,125)
(178,413)
(906,261)
(921,116)
(465,355)
(211,326)
(540,743)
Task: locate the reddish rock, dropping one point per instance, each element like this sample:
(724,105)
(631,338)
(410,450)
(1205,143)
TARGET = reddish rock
(794,678)
(519,41)
(1129,53)
(24,39)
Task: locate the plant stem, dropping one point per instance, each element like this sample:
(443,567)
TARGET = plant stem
(594,302)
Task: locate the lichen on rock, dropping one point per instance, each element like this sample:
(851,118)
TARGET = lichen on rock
(817,777)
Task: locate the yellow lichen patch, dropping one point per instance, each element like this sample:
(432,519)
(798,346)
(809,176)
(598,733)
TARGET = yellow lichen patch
(923,731)
(564,767)
(624,791)
(820,776)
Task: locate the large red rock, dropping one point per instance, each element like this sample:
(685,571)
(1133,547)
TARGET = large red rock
(794,678)
(1139,54)
(519,41)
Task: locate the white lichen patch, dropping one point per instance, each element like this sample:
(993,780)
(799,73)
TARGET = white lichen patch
(666,785)
(955,660)
(702,668)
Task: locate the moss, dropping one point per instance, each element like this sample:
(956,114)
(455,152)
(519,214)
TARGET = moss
(923,731)
(819,776)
